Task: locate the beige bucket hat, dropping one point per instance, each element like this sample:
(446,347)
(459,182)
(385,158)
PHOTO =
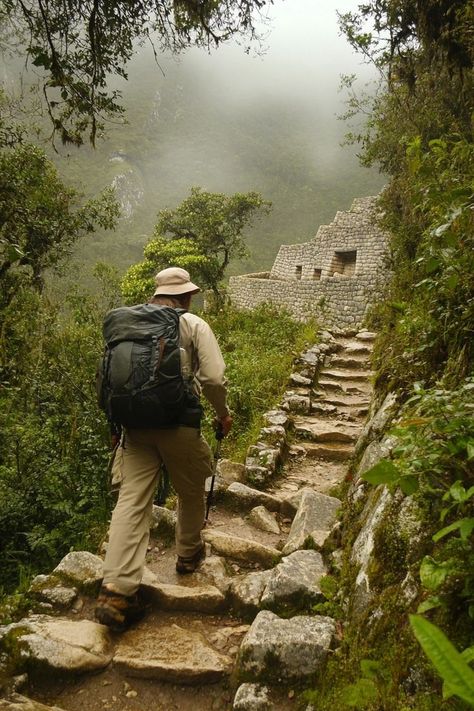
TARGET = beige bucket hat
(174,281)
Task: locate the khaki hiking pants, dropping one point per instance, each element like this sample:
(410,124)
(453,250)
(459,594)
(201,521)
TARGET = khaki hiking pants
(188,459)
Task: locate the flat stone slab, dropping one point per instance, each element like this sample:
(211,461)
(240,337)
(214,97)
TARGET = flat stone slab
(349,374)
(350,361)
(247,498)
(17,702)
(366,336)
(203,598)
(358,348)
(172,654)
(292,649)
(262,519)
(318,430)
(241,548)
(65,645)
(316,514)
(330,451)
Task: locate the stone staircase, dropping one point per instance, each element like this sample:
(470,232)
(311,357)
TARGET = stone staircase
(246,614)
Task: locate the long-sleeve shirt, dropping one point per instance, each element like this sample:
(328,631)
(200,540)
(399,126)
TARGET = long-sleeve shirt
(204,360)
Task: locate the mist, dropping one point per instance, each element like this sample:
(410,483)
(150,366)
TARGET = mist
(230,121)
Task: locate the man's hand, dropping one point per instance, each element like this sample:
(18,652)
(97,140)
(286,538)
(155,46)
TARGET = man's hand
(223,425)
(114,440)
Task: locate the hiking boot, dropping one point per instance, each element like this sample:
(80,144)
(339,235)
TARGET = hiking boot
(189,565)
(118,611)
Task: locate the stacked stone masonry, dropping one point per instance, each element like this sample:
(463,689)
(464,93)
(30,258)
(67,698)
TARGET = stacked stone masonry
(333,278)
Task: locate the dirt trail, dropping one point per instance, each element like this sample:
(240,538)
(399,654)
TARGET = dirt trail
(322,442)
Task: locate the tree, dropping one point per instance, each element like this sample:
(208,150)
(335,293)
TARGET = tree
(78,45)
(201,235)
(40,217)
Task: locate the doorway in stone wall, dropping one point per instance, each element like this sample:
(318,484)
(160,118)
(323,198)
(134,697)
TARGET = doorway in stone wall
(343,262)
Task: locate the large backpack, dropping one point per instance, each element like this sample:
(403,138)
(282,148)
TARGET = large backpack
(140,379)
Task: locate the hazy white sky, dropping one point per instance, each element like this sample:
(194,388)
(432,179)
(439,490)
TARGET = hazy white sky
(304,58)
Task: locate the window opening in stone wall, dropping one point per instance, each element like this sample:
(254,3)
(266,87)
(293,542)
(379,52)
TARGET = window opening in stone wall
(317,274)
(343,263)
(298,271)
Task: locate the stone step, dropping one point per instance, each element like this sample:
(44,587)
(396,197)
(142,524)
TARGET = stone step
(241,549)
(347,362)
(366,336)
(335,452)
(356,348)
(345,387)
(340,374)
(317,430)
(170,653)
(206,599)
(246,498)
(340,400)
(347,412)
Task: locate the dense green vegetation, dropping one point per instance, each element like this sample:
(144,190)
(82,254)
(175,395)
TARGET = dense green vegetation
(420,132)
(202,235)
(79,46)
(54,489)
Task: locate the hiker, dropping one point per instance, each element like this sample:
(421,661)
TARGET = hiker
(182,449)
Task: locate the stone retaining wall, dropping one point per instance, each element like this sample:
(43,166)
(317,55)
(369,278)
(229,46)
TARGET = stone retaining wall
(334,277)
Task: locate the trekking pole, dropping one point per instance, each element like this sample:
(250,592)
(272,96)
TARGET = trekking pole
(217,456)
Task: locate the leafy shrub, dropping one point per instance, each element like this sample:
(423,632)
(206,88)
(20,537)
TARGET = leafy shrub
(53,442)
(258,347)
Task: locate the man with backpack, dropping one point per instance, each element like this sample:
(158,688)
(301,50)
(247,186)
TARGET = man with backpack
(158,359)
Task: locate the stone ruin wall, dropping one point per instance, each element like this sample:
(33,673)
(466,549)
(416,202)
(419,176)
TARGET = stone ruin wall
(333,278)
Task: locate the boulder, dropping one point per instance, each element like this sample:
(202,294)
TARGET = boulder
(60,644)
(59,597)
(289,650)
(231,471)
(315,518)
(80,567)
(163,520)
(252,697)
(246,591)
(262,519)
(213,569)
(295,580)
